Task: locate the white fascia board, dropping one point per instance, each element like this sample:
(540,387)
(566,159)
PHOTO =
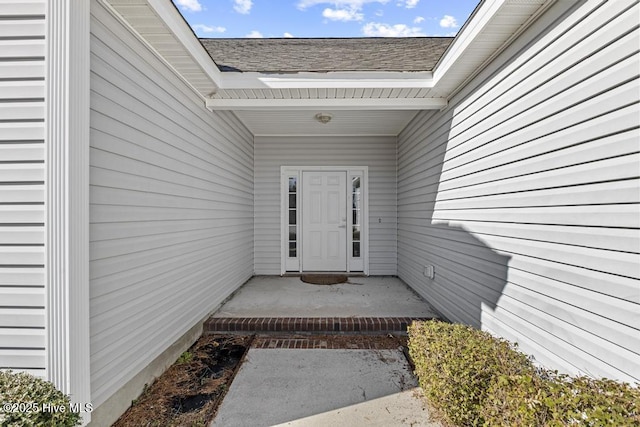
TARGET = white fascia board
(332,104)
(475,28)
(335,80)
(469,33)
(176,23)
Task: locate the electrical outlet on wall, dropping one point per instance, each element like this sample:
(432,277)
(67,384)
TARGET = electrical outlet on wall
(430,271)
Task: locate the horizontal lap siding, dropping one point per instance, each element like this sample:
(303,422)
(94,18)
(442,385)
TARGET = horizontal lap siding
(376,152)
(22,186)
(171,206)
(524,194)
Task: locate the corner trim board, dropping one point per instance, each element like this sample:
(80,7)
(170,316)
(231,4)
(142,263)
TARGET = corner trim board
(67,198)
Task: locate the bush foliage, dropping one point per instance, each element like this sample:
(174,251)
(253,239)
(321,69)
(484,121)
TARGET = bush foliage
(475,379)
(30,401)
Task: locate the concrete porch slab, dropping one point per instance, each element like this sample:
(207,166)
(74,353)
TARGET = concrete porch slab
(276,297)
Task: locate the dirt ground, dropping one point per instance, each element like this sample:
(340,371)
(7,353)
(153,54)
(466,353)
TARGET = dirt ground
(190,391)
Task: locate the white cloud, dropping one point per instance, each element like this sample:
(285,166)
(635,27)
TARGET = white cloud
(448,21)
(344,10)
(342,14)
(208,29)
(379,12)
(418,20)
(375,29)
(344,4)
(254,35)
(189,5)
(242,6)
(409,4)
(288,35)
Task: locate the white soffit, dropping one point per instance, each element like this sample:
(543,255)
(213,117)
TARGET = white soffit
(493,25)
(327,93)
(339,90)
(161,26)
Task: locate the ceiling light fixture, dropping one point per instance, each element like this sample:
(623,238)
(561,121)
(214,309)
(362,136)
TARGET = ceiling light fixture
(323,118)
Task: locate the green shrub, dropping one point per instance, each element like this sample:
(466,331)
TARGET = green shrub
(516,400)
(456,365)
(587,401)
(473,379)
(30,401)
(559,400)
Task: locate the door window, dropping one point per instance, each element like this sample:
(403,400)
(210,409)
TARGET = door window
(356,215)
(293,216)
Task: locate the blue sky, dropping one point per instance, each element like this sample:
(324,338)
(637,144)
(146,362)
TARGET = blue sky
(323,18)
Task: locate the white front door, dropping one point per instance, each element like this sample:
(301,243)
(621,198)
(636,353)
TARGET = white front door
(324,221)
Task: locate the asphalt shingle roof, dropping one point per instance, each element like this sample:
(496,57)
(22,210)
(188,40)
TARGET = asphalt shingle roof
(290,55)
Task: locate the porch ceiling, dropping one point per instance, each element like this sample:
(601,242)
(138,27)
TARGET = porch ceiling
(343,122)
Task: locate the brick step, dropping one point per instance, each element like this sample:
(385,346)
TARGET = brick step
(316,325)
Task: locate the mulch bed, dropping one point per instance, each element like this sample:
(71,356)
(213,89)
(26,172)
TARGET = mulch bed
(190,391)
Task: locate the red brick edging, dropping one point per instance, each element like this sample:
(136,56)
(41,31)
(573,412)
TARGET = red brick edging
(326,325)
(312,343)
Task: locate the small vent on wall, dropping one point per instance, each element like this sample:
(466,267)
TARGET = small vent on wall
(430,271)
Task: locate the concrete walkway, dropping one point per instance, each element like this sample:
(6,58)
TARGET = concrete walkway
(323,388)
(315,386)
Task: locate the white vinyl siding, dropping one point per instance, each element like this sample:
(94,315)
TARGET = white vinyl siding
(171,211)
(22,183)
(376,152)
(524,194)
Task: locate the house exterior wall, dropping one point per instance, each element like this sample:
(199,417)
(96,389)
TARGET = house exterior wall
(376,152)
(171,213)
(22,187)
(524,194)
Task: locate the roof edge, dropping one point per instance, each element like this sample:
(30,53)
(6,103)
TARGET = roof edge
(452,72)
(325,38)
(332,79)
(170,14)
(194,65)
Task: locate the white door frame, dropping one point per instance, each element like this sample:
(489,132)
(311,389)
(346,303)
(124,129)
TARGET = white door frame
(291,260)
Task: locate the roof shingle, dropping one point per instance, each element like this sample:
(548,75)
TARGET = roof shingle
(291,55)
